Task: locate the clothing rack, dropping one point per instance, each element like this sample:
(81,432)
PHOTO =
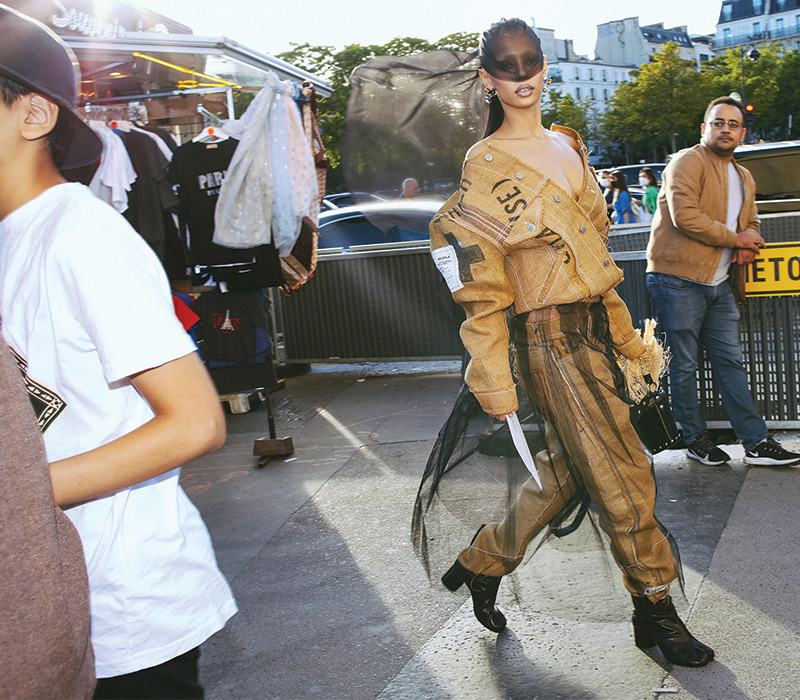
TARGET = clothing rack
(130,112)
(172,93)
(133,109)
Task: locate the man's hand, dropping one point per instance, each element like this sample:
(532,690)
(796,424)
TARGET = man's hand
(743,256)
(748,243)
(749,240)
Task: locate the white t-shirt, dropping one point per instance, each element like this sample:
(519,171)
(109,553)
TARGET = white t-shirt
(735,201)
(86,304)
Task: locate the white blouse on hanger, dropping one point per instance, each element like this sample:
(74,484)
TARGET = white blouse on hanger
(270,184)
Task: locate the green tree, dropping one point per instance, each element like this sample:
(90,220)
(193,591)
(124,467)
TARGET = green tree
(562,109)
(787,101)
(759,83)
(661,109)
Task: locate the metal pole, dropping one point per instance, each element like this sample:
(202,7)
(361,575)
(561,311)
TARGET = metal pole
(231,109)
(741,59)
(748,137)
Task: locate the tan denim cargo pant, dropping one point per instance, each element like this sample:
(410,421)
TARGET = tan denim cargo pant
(564,369)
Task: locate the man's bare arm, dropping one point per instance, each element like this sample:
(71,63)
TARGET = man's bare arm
(188,422)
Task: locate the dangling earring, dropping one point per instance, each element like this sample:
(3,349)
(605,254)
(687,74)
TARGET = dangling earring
(547,81)
(490,93)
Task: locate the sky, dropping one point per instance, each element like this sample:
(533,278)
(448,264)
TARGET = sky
(270,26)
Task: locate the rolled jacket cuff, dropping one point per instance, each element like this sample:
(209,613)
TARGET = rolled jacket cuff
(498,403)
(631,348)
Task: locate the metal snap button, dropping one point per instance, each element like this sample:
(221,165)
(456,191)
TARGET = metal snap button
(557,198)
(531,227)
(488,156)
(583,229)
(519,176)
(606,262)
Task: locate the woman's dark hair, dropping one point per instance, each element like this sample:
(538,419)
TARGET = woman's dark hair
(620,182)
(504,26)
(650,174)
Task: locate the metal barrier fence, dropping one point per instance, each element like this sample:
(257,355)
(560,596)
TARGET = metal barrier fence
(377,303)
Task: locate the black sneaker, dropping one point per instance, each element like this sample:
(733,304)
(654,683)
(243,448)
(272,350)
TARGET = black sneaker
(768,453)
(705,451)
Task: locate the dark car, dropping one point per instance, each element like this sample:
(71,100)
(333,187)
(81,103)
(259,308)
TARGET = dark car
(776,170)
(376,223)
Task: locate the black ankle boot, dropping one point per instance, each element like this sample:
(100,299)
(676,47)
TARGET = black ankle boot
(659,624)
(484,593)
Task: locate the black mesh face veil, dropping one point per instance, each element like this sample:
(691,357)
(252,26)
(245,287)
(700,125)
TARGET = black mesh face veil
(511,50)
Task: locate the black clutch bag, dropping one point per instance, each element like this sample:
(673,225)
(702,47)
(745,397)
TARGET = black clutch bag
(653,421)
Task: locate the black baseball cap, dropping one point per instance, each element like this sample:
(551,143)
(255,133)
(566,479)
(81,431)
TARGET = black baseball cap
(35,57)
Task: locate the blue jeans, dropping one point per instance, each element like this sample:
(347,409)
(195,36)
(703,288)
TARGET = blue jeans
(694,315)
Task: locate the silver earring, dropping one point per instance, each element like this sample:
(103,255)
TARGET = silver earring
(489,94)
(547,81)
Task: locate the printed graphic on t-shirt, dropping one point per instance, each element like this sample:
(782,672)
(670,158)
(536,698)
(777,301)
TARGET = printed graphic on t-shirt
(227,323)
(47,405)
(210,183)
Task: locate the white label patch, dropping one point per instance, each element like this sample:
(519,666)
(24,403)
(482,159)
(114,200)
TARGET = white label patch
(447,262)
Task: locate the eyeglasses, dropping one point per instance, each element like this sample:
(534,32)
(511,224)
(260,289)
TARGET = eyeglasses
(719,123)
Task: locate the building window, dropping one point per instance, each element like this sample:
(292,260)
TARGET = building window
(605,94)
(577,72)
(578,93)
(779,25)
(704,57)
(604,72)
(591,74)
(726,36)
(758,6)
(591,93)
(756,28)
(726,13)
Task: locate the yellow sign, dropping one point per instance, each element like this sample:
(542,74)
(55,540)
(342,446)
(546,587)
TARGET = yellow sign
(775,271)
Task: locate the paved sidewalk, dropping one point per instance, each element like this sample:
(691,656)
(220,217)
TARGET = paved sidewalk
(333,603)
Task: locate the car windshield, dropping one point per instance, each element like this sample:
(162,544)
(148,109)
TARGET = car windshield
(383,227)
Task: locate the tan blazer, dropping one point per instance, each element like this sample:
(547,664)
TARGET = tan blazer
(689,228)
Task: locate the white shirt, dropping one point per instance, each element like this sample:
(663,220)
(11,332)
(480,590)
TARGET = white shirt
(116,174)
(86,304)
(735,201)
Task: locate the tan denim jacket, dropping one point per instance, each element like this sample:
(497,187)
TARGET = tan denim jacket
(511,240)
(689,228)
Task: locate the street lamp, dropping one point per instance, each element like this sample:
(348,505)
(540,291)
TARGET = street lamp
(753,54)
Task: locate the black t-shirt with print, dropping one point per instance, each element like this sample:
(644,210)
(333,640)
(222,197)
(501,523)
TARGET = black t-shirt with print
(229,322)
(199,169)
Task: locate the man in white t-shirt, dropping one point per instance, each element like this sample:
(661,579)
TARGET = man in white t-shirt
(120,394)
(705,225)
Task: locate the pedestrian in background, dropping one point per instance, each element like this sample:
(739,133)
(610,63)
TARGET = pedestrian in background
(410,188)
(705,226)
(604,179)
(648,180)
(623,210)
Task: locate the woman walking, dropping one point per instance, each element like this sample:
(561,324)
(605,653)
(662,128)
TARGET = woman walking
(522,246)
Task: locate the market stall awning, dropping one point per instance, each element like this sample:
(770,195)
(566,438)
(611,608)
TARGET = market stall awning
(150,64)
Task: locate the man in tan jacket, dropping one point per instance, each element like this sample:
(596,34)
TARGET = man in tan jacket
(706,220)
